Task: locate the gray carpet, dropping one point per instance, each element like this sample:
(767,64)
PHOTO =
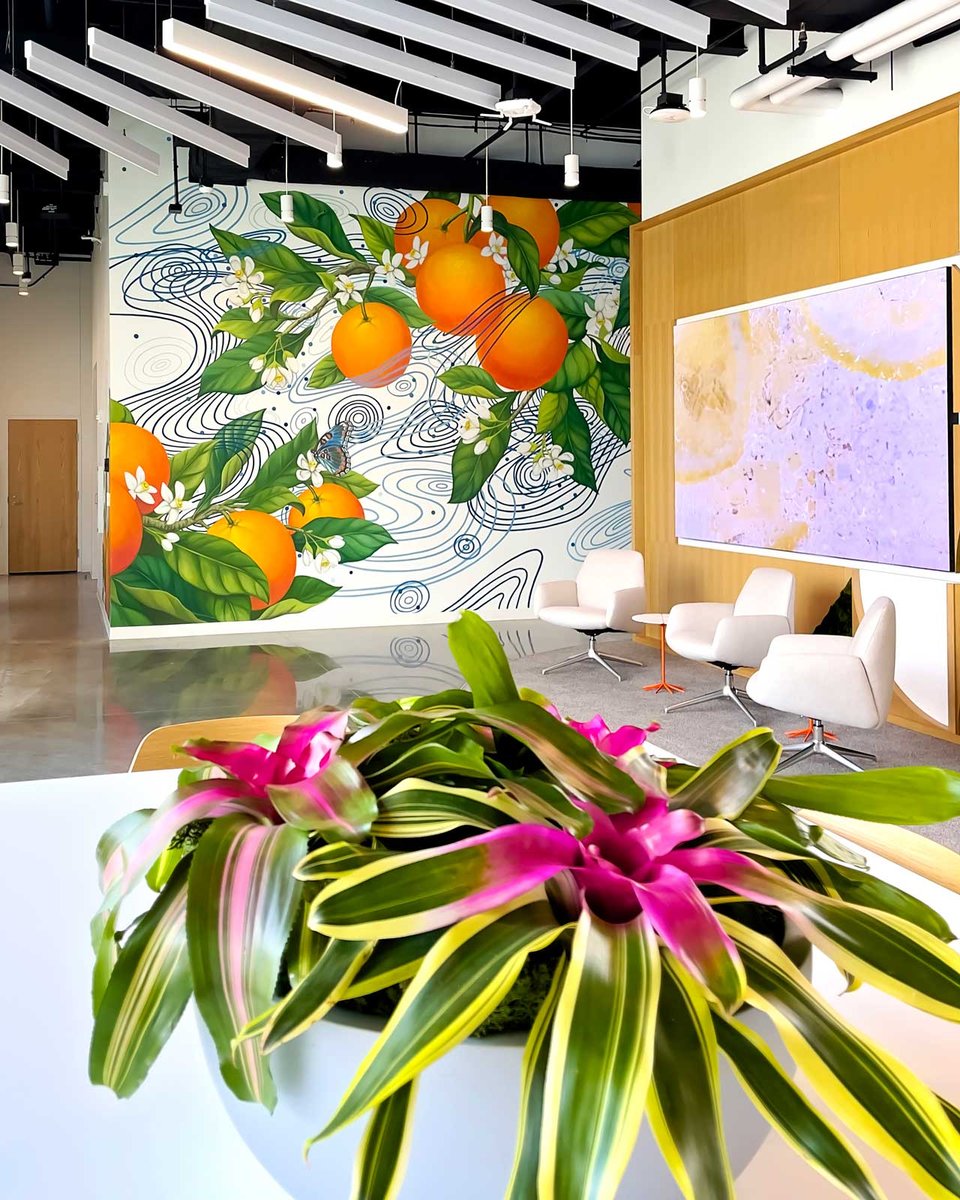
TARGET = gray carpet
(694,734)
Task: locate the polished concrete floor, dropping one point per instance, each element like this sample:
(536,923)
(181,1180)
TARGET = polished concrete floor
(70,706)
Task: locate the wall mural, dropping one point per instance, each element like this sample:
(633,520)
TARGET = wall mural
(377,408)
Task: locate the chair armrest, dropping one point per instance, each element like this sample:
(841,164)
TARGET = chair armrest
(833,687)
(553,593)
(744,641)
(697,618)
(623,607)
(811,643)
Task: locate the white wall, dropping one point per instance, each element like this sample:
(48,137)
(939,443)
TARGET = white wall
(45,345)
(684,162)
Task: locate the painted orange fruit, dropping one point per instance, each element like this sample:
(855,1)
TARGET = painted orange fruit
(278,691)
(371,344)
(458,287)
(131,447)
(264,539)
(328,500)
(525,346)
(126,528)
(437,223)
(538,217)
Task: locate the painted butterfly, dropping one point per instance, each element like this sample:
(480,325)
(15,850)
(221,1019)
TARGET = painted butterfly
(332,452)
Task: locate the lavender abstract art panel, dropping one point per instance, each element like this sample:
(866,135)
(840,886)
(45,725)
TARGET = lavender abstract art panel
(819,425)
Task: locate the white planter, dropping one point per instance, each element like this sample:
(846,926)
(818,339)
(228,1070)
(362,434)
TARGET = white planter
(464,1124)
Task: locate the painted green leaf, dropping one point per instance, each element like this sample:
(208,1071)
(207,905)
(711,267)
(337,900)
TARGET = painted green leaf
(578,365)
(290,276)
(325,374)
(124,616)
(600,1059)
(572,433)
(480,656)
(553,408)
(572,306)
(592,223)
(617,246)
(592,391)
(522,252)
(404,304)
(156,586)
(147,993)
(315,221)
(242,898)
(120,414)
(215,565)
(468,380)
(623,312)
(302,594)
(354,482)
(270,499)
(361,537)
(189,466)
(230,608)
(231,373)
(453,197)
(568,279)
(232,446)
(279,468)
(377,235)
(240,323)
(615,381)
(471,470)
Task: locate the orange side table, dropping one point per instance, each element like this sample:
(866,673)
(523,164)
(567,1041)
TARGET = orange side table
(661,620)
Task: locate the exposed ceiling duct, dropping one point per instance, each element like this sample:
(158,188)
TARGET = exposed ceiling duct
(789,91)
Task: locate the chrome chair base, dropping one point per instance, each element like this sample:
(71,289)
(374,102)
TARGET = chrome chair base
(819,745)
(592,654)
(729,691)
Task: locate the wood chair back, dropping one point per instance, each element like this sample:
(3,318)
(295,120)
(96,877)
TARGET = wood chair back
(156,751)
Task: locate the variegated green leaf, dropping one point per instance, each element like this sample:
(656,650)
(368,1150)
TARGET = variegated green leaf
(876,796)
(430,759)
(601,1059)
(382,1158)
(867,891)
(544,799)
(526,1162)
(147,992)
(336,803)
(684,1101)
(337,858)
(242,899)
(415,809)
(460,982)
(790,1113)
(393,961)
(311,1000)
(304,947)
(725,785)
(879,1098)
(481,660)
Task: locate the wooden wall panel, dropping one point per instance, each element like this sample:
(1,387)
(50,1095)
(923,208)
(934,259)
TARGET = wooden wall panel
(880,202)
(899,198)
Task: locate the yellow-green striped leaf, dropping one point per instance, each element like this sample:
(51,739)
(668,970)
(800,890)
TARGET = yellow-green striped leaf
(416,809)
(465,759)
(867,891)
(147,992)
(684,1101)
(875,796)
(460,982)
(382,1157)
(311,1000)
(879,1098)
(790,1113)
(600,1059)
(241,902)
(392,961)
(725,785)
(526,1161)
(337,858)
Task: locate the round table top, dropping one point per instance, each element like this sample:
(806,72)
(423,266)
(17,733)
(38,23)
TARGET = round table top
(652,618)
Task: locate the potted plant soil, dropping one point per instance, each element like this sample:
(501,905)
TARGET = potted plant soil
(392,882)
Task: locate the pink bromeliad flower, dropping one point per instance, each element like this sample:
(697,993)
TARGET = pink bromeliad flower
(615,742)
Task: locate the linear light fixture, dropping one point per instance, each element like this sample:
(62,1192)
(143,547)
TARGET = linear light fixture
(772,10)
(289,29)
(664,16)
(556,27)
(254,67)
(33,151)
(78,78)
(43,106)
(430,29)
(144,64)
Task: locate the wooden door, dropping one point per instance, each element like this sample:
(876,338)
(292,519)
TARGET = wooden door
(41,496)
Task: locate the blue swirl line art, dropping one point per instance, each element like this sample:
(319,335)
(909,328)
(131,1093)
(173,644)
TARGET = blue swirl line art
(507,585)
(609,529)
(146,224)
(387,205)
(410,597)
(410,651)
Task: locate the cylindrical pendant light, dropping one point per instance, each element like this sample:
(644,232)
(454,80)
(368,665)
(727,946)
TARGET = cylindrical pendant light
(571,160)
(18,263)
(334,157)
(24,289)
(13,235)
(286,200)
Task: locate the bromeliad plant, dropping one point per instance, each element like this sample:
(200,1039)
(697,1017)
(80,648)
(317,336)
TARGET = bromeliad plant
(440,843)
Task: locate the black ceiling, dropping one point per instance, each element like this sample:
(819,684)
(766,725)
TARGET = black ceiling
(608,102)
